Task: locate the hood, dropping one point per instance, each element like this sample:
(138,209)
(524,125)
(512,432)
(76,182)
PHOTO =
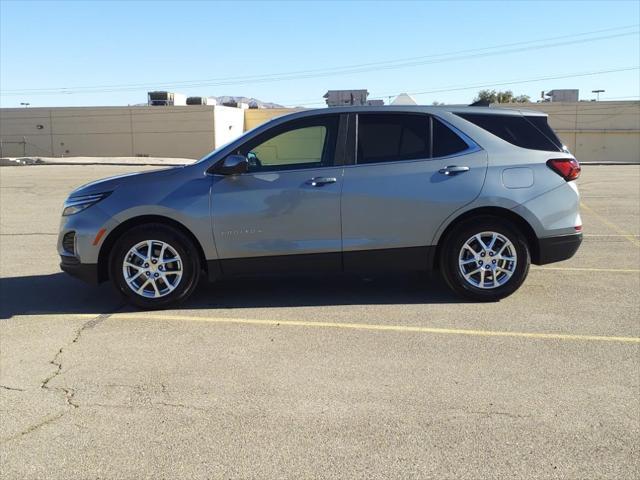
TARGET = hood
(111,183)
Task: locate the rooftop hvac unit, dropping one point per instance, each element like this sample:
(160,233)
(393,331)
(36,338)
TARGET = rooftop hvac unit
(201,101)
(165,99)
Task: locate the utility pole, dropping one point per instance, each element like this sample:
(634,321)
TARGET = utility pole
(597,92)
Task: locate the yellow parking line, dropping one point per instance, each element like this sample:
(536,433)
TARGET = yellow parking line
(608,235)
(585,269)
(613,226)
(373,327)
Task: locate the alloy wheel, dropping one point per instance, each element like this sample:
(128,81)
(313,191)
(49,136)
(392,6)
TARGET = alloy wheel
(487,260)
(152,268)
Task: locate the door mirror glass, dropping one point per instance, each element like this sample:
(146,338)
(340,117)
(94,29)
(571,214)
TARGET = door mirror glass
(232,165)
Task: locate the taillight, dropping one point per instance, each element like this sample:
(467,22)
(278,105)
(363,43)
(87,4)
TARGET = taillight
(567,168)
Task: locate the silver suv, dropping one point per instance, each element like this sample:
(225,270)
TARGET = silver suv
(478,193)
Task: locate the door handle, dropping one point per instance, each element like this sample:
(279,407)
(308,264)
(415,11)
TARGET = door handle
(453,170)
(320,181)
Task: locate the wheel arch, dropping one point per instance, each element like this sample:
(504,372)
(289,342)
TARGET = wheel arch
(519,222)
(116,233)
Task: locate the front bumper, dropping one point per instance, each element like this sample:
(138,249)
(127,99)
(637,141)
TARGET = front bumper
(87,272)
(556,249)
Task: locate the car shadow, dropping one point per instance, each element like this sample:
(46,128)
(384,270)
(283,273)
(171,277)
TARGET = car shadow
(59,293)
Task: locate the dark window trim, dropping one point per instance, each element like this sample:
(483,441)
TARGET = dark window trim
(340,154)
(430,136)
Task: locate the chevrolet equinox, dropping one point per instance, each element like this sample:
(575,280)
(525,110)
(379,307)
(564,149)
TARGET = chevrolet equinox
(478,193)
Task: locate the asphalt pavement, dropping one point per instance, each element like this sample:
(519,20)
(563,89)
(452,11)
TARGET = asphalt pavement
(330,377)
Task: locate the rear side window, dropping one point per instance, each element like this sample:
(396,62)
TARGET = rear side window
(392,137)
(531,132)
(446,141)
(541,124)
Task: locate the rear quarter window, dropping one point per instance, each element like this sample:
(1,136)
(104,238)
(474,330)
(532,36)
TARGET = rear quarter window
(446,141)
(530,132)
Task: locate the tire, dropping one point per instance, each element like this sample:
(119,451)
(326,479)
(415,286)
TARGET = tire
(167,280)
(504,272)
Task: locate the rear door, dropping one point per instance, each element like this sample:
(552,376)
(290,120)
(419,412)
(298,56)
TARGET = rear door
(288,204)
(410,172)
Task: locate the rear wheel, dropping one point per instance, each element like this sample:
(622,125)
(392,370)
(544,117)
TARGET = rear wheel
(154,266)
(485,259)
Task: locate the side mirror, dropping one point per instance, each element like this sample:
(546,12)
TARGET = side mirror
(232,165)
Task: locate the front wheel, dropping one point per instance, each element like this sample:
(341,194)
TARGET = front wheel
(485,259)
(154,266)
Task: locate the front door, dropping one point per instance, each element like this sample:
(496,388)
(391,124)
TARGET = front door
(284,213)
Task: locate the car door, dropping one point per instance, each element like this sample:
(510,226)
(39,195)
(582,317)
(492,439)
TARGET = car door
(411,171)
(284,213)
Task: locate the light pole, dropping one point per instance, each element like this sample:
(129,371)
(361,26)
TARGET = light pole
(25,104)
(597,92)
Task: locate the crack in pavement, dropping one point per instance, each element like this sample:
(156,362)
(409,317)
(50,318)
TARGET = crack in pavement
(128,406)
(68,392)
(33,428)
(15,389)
(490,413)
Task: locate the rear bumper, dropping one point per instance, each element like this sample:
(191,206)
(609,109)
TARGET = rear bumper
(87,272)
(556,249)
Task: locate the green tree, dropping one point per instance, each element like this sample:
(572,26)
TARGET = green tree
(507,96)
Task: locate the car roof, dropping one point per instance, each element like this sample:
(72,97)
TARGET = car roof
(439,109)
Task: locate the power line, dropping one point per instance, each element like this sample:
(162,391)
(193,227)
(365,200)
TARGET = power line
(358,68)
(493,84)
(191,110)
(179,82)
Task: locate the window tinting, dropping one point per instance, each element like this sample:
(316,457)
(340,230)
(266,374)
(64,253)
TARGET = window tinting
(390,138)
(541,124)
(517,130)
(446,141)
(304,144)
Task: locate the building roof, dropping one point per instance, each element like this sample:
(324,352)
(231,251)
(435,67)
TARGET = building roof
(404,99)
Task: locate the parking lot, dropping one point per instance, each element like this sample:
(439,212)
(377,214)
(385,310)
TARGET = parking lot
(340,377)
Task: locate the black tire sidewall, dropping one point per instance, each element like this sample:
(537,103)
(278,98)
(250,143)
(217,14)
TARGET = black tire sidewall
(456,239)
(184,247)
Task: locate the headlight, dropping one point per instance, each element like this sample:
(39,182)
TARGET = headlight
(76,204)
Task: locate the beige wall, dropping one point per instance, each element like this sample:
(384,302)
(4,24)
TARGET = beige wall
(254,116)
(593,131)
(186,132)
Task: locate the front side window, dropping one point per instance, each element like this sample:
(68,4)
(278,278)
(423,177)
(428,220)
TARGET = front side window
(392,137)
(305,144)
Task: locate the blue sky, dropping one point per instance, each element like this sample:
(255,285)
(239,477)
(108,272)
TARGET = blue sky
(129,48)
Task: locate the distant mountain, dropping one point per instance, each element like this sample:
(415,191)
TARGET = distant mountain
(252,102)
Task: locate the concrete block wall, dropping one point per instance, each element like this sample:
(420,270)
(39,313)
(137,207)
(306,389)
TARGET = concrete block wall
(186,132)
(593,131)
